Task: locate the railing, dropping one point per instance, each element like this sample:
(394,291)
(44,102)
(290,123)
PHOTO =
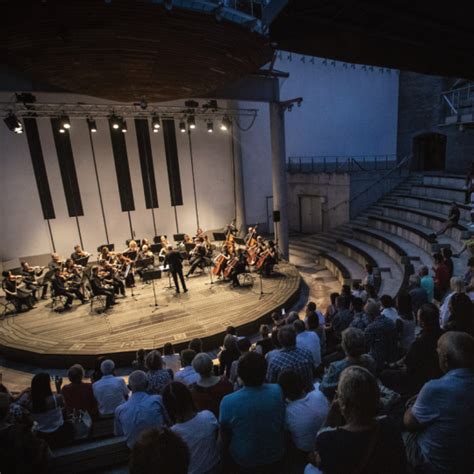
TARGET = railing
(459,100)
(340,164)
(377,189)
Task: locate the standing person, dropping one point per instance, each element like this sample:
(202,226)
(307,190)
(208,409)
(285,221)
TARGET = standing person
(174,260)
(447,254)
(452,220)
(252,421)
(427,282)
(441,277)
(369,278)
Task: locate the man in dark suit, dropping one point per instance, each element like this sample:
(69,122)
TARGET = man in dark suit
(98,288)
(60,289)
(175,262)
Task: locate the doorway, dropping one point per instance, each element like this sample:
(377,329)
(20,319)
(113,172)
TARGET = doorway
(429,152)
(311,214)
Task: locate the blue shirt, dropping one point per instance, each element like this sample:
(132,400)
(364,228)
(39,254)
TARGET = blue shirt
(255,418)
(140,412)
(445,408)
(427,283)
(381,338)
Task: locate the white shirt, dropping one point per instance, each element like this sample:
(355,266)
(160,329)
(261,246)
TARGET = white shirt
(110,392)
(172,362)
(304,418)
(309,340)
(200,435)
(391,313)
(444,312)
(186,375)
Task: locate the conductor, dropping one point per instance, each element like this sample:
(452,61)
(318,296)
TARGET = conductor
(175,262)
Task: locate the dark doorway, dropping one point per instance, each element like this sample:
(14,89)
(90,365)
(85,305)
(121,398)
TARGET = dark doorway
(429,152)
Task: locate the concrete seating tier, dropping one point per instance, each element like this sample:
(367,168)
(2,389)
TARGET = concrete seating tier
(449,180)
(338,269)
(452,194)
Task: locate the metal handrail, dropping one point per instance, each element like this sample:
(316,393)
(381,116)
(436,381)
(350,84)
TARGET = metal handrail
(368,188)
(454,97)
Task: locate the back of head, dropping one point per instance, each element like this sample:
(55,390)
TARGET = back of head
(75,373)
(230,342)
(252,369)
(424,271)
(291,384)
(40,391)
(299,326)
(231,330)
(107,367)
(428,317)
(414,280)
(358,395)
(159,447)
(312,321)
(141,353)
(203,364)
(264,331)
(342,302)
(177,400)
(195,345)
(387,301)
(461,308)
(353,342)
(457,285)
(292,317)
(168,349)
(187,357)
(154,361)
(138,381)
(4,405)
(447,252)
(346,290)
(333,297)
(311,306)
(456,351)
(287,336)
(438,258)
(372,310)
(357,304)
(244,344)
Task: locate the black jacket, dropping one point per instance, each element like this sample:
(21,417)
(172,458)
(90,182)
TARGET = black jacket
(174,260)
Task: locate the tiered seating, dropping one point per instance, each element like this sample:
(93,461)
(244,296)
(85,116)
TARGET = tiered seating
(395,235)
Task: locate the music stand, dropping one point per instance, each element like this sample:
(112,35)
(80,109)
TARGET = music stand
(239,241)
(132,255)
(167,269)
(83,261)
(145,262)
(189,247)
(178,237)
(156,248)
(152,275)
(111,247)
(219,236)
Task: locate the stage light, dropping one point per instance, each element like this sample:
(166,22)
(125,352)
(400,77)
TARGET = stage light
(210,127)
(13,124)
(115,122)
(182,127)
(92,125)
(225,124)
(64,122)
(192,122)
(123,126)
(155,123)
(62,130)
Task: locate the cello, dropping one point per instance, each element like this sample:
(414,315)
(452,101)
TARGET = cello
(230,266)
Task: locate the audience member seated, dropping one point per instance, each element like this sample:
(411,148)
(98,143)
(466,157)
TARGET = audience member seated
(469,275)
(278,319)
(291,318)
(139,362)
(78,395)
(21,451)
(97,374)
(427,282)
(291,358)
(461,311)
(140,411)
(441,277)
(229,353)
(371,293)
(109,391)
(159,449)
(276,346)
(388,308)
(420,364)
(418,295)
(195,345)
(313,323)
(171,360)
(331,308)
(359,319)
(199,430)
(353,344)
(244,345)
(187,374)
(308,340)
(305,413)
(252,420)
(380,336)
(408,323)
(440,424)
(264,344)
(358,291)
(156,375)
(457,287)
(355,441)
(342,318)
(209,390)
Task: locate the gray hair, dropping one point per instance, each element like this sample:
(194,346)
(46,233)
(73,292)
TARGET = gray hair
(202,364)
(353,342)
(414,280)
(457,285)
(458,349)
(138,381)
(107,367)
(372,309)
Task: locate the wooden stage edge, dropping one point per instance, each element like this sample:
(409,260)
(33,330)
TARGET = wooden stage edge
(45,338)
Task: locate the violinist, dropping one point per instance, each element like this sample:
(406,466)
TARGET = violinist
(60,289)
(79,254)
(145,242)
(126,270)
(145,253)
(18,296)
(220,263)
(111,278)
(105,255)
(30,277)
(198,255)
(132,249)
(239,266)
(56,262)
(72,274)
(199,233)
(164,246)
(98,288)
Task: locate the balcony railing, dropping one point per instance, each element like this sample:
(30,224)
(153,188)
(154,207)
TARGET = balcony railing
(340,164)
(459,101)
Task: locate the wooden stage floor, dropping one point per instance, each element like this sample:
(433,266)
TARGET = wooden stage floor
(45,337)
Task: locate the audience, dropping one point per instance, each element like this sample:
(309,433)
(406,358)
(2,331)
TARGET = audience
(407,321)
(195,345)
(276,346)
(291,358)
(441,277)
(461,311)
(440,424)
(109,391)
(418,295)
(359,318)
(187,374)
(252,420)
(447,254)
(229,353)
(244,345)
(388,308)
(343,316)
(198,429)
(457,287)
(139,363)
(97,373)
(358,442)
(308,340)
(209,390)
(264,344)
(331,309)
(427,282)
(78,395)
(314,324)
(157,376)
(171,360)
(159,449)
(140,411)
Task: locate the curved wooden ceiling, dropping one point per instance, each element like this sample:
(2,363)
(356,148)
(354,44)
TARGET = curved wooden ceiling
(127,50)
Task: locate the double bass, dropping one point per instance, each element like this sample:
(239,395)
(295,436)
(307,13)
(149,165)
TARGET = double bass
(230,266)
(229,243)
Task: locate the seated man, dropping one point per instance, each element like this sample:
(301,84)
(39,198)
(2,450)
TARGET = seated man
(98,288)
(79,255)
(440,424)
(56,262)
(59,289)
(140,412)
(198,257)
(452,220)
(109,391)
(30,277)
(18,296)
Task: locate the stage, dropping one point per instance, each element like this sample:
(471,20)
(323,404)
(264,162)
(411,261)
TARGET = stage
(50,339)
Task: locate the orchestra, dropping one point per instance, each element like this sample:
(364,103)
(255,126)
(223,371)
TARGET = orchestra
(113,272)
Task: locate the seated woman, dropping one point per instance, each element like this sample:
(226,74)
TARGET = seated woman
(157,376)
(370,445)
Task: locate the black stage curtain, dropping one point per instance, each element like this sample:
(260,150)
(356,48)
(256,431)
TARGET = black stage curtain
(172,162)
